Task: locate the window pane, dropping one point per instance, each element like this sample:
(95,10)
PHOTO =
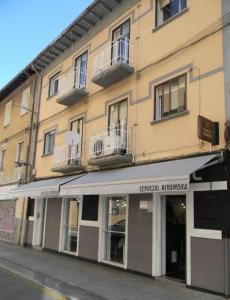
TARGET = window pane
(90,208)
(166,99)
(175,7)
(182,93)
(158,101)
(115,224)
(71,225)
(174,94)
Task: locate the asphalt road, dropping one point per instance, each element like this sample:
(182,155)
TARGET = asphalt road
(14,287)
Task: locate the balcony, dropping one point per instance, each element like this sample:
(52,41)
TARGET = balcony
(12,175)
(67,159)
(111,147)
(113,62)
(72,87)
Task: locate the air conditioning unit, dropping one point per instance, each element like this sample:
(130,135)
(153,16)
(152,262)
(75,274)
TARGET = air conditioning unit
(97,148)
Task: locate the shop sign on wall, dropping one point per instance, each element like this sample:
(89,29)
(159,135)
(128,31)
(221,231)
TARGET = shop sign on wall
(208,130)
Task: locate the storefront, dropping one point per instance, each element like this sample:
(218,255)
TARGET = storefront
(7,213)
(153,219)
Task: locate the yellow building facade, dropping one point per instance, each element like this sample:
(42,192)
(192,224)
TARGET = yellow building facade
(132,149)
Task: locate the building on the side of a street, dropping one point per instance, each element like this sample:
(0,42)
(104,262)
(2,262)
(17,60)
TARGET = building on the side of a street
(132,158)
(18,116)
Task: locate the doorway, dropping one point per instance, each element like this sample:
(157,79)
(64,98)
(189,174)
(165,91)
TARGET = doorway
(175,237)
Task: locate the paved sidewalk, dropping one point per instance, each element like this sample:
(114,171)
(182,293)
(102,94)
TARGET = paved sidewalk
(83,280)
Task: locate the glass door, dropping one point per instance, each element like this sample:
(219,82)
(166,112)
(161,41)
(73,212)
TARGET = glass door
(120,43)
(80,71)
(70,225)
(115,229)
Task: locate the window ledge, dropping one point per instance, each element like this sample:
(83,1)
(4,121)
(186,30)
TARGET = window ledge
(184,113)
(51,96)
(171,19)
(48,154)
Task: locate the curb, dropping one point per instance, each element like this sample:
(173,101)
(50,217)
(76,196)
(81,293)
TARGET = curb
(64,289)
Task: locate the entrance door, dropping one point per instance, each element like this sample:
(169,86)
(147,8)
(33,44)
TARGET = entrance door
(115,229)
(70,225)
(176,236)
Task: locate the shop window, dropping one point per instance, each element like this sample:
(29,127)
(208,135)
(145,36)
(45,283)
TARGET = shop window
(115,229)
(70,225)
(49,142)
(167,9)
(30,208)
(208,210)
(90,208)
(170,98)
(54,84)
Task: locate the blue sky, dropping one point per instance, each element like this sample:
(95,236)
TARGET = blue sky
(26,28)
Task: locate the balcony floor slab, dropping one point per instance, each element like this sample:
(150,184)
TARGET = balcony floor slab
(111,160)
(72,97)
(114,73)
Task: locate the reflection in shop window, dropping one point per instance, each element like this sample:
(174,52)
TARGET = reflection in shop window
(115,228)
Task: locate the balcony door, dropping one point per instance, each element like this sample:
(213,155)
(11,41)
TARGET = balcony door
(81,71)
(117,127)
(120,43)
(76,128)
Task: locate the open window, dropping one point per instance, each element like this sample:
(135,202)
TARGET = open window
(167,9)
(54,84)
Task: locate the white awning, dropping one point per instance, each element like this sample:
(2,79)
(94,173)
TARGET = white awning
(169,176)
(41,189)
(5,192)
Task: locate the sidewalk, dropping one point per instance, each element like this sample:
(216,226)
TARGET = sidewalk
(89,281)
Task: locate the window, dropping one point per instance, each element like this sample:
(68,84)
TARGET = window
(20,153)
(49,142)
(170,98)
(25,101)
(7,114)
(120,43)
(115,229)
(81,71)
(30,208)
(54,83)
(70,225)
(90,208)
(76,127)
(166,9)
(118,115)
(2,159)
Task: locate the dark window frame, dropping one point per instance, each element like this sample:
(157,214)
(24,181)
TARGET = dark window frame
(173,113)
(44,146)
(50,84)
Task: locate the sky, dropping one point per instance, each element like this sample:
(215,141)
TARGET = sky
(28,26)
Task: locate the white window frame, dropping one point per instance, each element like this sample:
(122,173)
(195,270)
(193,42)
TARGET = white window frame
(2,158)
(101,250)
(45,140)
(20,155)
(7,113)
(25,101)
(53,79)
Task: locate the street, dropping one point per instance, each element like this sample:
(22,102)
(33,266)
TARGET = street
(15,287)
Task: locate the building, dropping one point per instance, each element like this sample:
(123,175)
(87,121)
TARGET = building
(18,108)
(132,159)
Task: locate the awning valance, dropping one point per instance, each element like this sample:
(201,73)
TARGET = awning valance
(169,176)
(41,189)
(5,192)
